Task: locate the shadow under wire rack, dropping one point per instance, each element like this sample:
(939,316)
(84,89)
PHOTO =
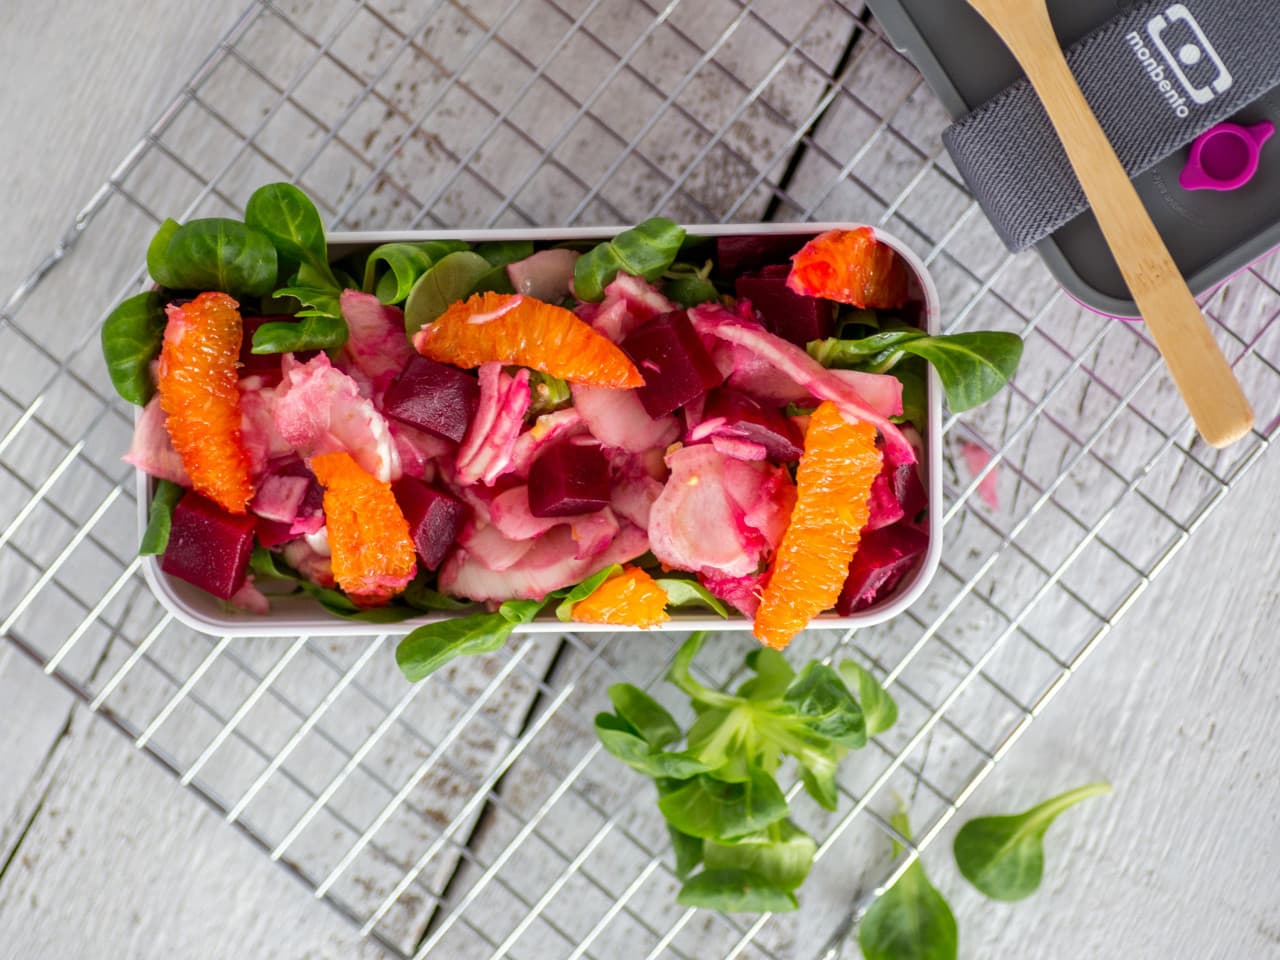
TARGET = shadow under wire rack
(474,815)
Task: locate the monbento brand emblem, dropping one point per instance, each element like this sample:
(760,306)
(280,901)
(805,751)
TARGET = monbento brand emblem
(1181,60)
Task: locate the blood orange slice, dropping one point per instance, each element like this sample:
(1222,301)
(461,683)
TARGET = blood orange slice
(630,599)
(833,486)
(512,328)
(197,386)
(372,553)
(850,266)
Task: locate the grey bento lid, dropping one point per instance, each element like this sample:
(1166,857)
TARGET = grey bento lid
(1211,235)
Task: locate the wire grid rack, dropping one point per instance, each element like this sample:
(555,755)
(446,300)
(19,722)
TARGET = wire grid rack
(474,815)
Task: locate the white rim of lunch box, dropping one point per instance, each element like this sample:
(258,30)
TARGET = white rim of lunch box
(183,600)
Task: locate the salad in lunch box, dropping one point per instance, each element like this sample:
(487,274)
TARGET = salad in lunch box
(609,430)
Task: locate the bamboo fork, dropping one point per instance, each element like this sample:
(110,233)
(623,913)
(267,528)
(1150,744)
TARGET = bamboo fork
(1208,385)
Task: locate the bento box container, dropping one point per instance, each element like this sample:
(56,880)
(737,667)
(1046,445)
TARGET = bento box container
(1211,235)
(294,615)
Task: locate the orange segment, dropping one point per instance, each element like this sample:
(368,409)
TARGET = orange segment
(833,486)
(372,554)
(197,386)
(850,266)
(630,599)
(512,328)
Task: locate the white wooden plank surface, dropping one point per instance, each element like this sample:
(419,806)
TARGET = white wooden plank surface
(1178,708)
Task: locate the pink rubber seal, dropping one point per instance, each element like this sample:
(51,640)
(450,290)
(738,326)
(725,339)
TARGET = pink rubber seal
(1226,157)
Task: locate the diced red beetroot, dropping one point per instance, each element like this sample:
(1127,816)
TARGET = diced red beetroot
(435,519)
(675,365)
(909,491)
(787,314)
(748,419)
(885,508)
(569,479)
(272,533)
(883,559)
(738,255)
(208,547)
(434,397)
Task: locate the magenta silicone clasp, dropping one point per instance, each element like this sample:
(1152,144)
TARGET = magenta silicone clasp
(1226,157)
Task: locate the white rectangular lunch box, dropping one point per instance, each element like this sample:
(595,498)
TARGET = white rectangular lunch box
(299,614)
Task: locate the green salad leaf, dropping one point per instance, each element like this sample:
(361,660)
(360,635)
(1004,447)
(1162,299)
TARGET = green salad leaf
(646,250)
(688,285)
(564,610)
(973,367)
(429,647)
(720,795)
(290,220)
(305,333)
(781,855)
(690,593)
(911,920)
(391,270)
(499,254)
(216,254)
(735,891)
(157,250)
(131,338)
(1004,856)
(160,518)
(449,280)
(878,707)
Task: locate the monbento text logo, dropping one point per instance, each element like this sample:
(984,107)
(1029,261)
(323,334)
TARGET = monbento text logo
(1188,66)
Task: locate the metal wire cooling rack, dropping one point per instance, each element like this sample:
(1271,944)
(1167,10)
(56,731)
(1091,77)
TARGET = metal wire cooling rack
(473,816)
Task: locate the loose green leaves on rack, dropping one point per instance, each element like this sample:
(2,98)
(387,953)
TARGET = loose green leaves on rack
(879,709)
(911,920)
(735,891)
(160,518)
(216,254)
(1004,856)
(646,250)
(131,338)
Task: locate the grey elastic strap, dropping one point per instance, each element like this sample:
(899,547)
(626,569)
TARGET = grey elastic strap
(1157,76)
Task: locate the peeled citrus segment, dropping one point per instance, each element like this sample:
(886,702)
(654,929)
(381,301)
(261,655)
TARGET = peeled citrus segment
(372,552)
(197,385)
(833,485)
(512,328)
(630,599)
(850,266)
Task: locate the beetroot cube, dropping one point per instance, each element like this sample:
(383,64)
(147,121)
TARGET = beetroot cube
(787,314)
(738,255)
(435,519)
(675,365)
(884,556)
(434,397)
(568,479)
(751,420)
(273,533)
(208,546)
